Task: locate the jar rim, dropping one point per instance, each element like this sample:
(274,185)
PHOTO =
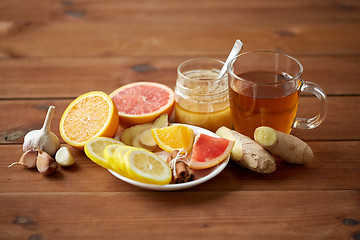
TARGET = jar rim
(180,73)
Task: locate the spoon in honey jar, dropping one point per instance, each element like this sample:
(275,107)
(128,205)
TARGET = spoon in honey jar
(234,51)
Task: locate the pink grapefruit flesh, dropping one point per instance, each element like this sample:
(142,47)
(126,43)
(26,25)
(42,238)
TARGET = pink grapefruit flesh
(209,151)
(142,102)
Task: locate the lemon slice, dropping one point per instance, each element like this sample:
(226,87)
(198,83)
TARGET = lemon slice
(109,155)
(94,149)
(147,167)
(109,152)
(119,162)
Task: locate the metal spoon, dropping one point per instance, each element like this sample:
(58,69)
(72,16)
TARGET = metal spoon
(234,51)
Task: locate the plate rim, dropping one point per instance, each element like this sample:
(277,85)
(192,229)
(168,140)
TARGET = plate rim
(179,186)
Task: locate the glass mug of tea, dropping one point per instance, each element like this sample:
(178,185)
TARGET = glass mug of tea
(264,90)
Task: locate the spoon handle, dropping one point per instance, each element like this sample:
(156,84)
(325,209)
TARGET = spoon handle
(234,51)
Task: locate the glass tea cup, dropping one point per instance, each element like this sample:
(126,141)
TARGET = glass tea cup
(200,98)
(264,90)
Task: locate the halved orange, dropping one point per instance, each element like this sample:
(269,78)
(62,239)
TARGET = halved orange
(142,102)
(90,115)
(174,137)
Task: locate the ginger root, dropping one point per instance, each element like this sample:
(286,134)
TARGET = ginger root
(145,139)
(140,135)
(129,133)
(287,147)
(248,153)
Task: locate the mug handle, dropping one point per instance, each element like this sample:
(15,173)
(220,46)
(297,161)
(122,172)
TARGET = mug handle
(310,123)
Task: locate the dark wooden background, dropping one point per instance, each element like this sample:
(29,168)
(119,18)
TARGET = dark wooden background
(51,51)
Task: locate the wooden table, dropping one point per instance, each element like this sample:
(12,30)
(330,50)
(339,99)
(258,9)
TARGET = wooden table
(51,51)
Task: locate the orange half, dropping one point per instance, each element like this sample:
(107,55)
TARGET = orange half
(92,114)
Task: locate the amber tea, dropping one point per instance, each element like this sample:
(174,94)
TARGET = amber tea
(264,90)
(270,104)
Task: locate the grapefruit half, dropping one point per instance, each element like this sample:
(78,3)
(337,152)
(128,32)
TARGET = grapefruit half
(142,102)
(209,151)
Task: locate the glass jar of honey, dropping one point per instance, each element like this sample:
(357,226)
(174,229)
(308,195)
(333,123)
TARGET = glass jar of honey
(200,98)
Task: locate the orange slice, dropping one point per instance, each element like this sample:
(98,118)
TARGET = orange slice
(92,114)
(142,102)
(174,137)
(209,151)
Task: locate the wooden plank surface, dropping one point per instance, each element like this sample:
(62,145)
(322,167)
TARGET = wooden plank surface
(51,51)
(57,39)
(28,115)
(333,168)
(167,28)
(59,78)
(179,215)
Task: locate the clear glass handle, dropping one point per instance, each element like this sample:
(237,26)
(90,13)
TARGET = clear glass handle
(309,123)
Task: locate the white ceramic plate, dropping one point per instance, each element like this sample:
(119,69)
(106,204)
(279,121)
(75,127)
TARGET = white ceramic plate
(205,174)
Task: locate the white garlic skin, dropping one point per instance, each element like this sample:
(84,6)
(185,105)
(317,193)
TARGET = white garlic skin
(28,140)
(63,157)
(43,139)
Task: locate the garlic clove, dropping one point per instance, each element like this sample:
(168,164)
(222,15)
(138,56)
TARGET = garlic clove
(63,157)
(45,164)
(28,159)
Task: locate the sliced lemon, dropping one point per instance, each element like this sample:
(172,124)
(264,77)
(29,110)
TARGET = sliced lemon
(147,167)
(109,152)
(94,149)
(109,155)
(119,162)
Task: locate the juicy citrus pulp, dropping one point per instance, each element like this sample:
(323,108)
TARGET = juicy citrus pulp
(147,167)
(142,102)
(92,114)
(174,137)
(209,151)
(94,149)
(119,160)
(109,152)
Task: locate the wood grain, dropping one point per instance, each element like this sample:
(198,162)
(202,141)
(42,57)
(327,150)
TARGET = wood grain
(51,51)
(28,115)
(105,39)
(306,10)
(299,215)
(332,168)
(59,78)
(117,29)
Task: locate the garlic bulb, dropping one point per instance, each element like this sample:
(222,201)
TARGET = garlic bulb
(43,139)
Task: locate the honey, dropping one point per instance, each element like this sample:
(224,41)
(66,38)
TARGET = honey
(200,98)
(209,120)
